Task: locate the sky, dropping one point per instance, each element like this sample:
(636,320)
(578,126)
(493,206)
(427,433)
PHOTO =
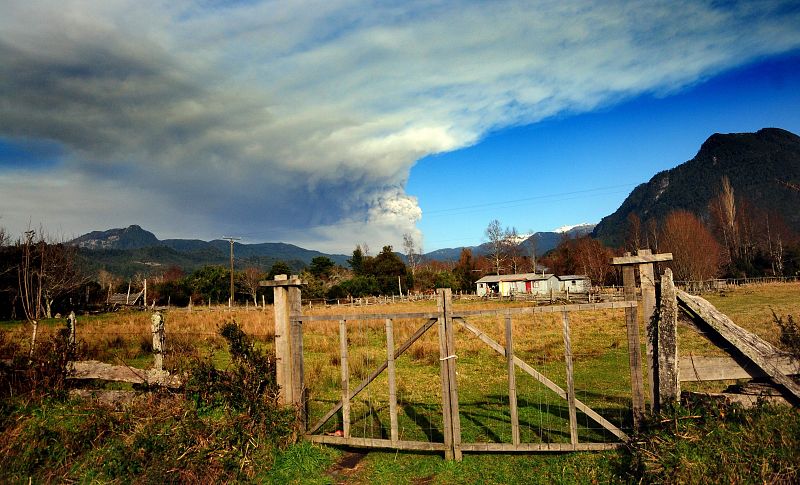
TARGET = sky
(332,123)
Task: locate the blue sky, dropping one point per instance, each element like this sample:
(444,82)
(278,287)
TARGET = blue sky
(328,123)
(577,168)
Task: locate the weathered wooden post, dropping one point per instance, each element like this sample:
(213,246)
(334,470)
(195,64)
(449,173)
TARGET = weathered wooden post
(669,390)
(288,337)
(71,322)
(629,264)
(157,327)
(447,356)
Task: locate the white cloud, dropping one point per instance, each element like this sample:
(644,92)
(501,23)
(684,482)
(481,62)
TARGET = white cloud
(300,121)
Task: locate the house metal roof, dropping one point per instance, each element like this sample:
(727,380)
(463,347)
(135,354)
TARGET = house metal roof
(573,277)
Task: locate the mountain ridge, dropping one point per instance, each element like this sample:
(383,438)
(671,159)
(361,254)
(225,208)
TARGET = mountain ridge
(763,168)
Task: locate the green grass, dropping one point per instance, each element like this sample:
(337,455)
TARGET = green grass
(51,440)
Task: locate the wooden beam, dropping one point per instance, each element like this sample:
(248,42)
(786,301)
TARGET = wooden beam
(293,281)
(693,369)
(745,342)
(634,347)
(444,377)
(652,258)
(542,447)
(376,443)
(345,368)
(578,307)
(512,382)
(92,369)
(573,418)
(392,382)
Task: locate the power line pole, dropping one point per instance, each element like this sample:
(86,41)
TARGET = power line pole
(231,240)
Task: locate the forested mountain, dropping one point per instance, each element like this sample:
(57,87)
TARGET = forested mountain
(133,249)
(764,173)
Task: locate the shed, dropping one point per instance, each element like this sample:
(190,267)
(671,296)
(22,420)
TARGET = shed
(574,283)
(510,284)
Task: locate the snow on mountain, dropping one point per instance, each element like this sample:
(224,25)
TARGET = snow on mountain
(563,229)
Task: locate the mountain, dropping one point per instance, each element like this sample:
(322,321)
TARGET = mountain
(763,168)
(544,241)
(132,237)
(133,249)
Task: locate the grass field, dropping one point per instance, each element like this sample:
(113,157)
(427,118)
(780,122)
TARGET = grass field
(602,381)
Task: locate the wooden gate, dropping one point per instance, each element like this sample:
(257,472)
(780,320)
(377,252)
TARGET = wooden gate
(350,413)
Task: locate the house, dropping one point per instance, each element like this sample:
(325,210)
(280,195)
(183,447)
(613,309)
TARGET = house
(574,284)
(511,284)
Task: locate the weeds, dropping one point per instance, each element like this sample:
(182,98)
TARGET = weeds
(709,439)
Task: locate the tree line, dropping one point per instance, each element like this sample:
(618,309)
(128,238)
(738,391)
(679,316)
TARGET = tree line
(733,238)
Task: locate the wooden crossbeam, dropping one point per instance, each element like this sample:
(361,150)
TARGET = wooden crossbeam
(642,258)
(751,346)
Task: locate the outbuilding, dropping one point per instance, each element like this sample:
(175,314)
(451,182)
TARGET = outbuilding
(511,284)
(574,284)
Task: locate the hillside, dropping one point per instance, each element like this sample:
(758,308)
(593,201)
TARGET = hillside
(763,168)
(130,250)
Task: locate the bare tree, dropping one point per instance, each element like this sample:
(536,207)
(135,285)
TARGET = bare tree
(511,247)
(251,279)
(413,253)
(723,214)
(633,236)
(496,236)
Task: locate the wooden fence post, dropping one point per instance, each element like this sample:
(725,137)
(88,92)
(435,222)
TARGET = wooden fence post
(667,345)
(157,326)
(512,382)
(647,282)
(452,421)
(71,322)
(634,347)
(288,338)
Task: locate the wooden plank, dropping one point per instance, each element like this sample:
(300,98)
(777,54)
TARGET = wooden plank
(577,307)
(92,369)
(447,414)
(610,305)
(512,382)
(400,350)
(649,316)
(392,383)
(365,316)
(668,378)
(376,443)
(639,259)
(345,368)
(542,447)
(284,282)
(544,380)
(745,342)
(452,376)
(696,368)
(634,347)
(573,416)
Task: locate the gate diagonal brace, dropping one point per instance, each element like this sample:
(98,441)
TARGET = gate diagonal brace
(544,380)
